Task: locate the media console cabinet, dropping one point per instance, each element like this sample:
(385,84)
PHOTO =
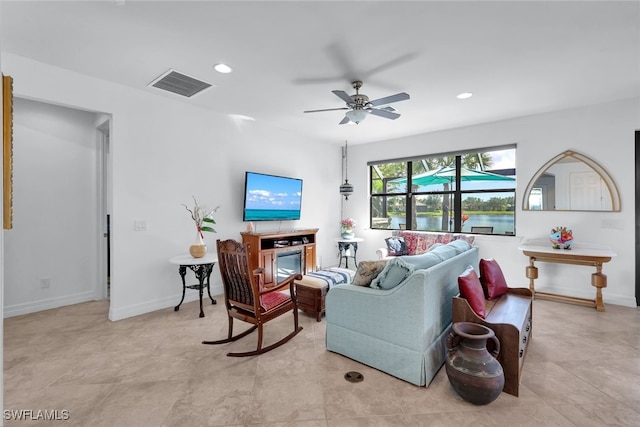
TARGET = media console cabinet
(277,251)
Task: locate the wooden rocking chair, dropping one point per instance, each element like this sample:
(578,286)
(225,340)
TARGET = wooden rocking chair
(246,300)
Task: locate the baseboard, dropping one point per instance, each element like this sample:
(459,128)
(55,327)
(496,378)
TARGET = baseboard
(47,304)
(624,301)
(590,293)
(158,304)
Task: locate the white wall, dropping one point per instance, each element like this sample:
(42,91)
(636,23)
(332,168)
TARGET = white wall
(603,132)
(54,236)
(163,151)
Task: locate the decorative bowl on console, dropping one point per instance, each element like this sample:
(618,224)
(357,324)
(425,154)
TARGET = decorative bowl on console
(561,238)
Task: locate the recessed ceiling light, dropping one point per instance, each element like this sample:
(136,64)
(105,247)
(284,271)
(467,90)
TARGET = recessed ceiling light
(222,68)
(464,95)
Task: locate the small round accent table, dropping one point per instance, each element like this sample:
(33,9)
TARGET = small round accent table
(347,248)
(202,268)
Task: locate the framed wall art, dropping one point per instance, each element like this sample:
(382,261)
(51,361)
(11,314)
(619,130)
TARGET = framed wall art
(7,151)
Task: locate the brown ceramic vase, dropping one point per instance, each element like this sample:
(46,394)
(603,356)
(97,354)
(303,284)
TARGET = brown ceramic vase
(475,374)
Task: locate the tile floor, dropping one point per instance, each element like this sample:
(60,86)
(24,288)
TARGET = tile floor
(583,369)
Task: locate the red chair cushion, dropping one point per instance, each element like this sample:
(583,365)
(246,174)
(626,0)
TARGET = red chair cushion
(471,290)
(273,300)
(492,279)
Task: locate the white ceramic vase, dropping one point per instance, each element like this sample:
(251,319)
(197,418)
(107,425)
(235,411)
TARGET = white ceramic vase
(198,249)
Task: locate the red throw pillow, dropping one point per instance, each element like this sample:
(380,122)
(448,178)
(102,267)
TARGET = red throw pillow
(471,290)
(492,279)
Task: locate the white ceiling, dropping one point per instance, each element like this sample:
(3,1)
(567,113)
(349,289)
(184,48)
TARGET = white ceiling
(518,58)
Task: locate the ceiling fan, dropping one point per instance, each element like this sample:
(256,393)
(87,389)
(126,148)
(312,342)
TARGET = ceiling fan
(359,106)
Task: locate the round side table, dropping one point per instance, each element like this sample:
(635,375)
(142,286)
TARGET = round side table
(202,268)
(347,248)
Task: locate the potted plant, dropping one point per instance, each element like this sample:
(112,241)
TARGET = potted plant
(200,216)
(348,224)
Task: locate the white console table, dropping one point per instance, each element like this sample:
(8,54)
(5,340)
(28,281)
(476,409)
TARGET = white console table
(590,255)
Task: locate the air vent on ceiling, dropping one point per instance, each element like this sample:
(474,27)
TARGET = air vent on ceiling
(179,83)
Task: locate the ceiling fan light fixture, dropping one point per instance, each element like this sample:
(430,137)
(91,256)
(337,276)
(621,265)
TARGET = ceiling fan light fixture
(356,115)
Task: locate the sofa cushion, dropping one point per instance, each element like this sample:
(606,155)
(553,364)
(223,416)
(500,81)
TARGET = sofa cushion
(422,261)
(396,246)
(367,271)
(393,274)
(471,289)
(460,245)
(492,279)
(444,252)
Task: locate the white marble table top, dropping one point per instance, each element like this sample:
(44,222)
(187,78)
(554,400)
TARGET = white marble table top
(189,260)
(577,249)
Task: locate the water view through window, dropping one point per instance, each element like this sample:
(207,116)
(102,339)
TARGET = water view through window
(469,193)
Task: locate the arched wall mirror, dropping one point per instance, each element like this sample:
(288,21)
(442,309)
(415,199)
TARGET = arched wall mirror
(571,182)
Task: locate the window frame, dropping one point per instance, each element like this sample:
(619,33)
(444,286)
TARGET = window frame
(455,194)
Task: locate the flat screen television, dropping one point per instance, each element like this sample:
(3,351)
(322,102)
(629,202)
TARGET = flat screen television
(271,197)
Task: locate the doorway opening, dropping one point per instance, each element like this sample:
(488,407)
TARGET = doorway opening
(104,218)
(637,207)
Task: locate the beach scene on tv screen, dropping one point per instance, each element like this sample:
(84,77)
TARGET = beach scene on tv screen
(272,198)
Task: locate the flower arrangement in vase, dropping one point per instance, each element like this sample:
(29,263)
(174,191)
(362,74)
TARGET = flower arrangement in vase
(560,237)
(200,216)
(347,225)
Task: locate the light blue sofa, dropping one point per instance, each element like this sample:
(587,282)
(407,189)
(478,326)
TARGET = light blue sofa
(401,331)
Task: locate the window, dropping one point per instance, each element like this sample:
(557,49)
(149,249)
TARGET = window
(469,192)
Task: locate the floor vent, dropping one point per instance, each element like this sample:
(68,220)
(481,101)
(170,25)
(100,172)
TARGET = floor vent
(353,377)
(181,84)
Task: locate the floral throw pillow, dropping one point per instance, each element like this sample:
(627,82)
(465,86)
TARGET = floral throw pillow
(367,271)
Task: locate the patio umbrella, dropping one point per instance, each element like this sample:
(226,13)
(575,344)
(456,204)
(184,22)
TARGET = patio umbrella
(447,175)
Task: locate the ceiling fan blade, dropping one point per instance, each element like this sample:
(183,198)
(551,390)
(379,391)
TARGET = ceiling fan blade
(389,99)
(343,95)
(344,121)
(392,63)
(341,59)
(384,113)
(318,80)
(326,109)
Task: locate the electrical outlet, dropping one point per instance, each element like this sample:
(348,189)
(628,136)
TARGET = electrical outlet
(140,225)
(45,283)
